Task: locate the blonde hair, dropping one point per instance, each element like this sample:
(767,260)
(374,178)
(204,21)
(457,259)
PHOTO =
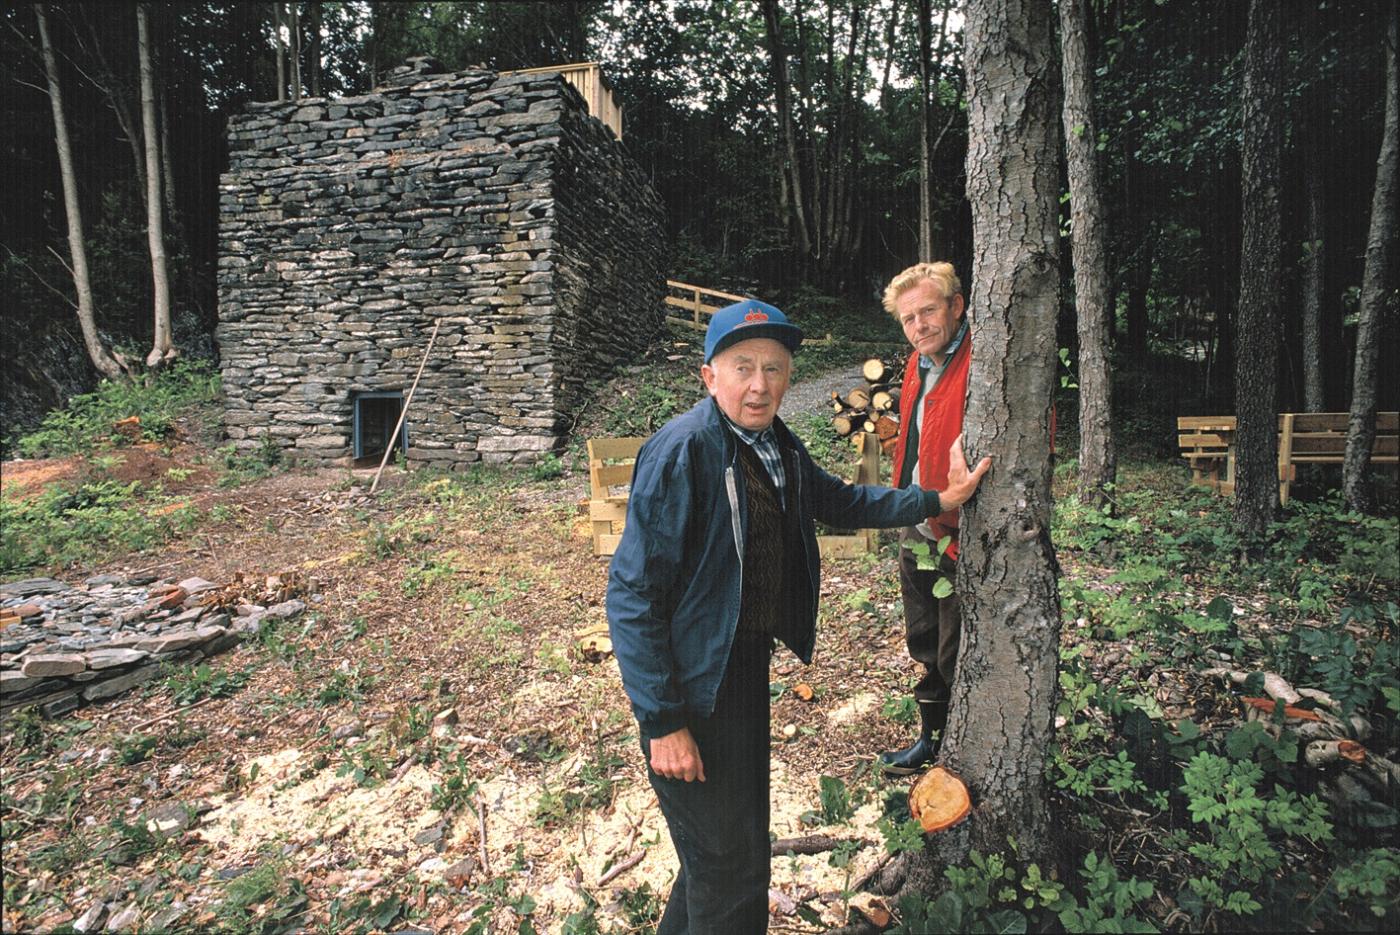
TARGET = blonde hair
(940,274)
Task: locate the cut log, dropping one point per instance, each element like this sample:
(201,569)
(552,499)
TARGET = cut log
(885,400)
(843,425)
(837,403)
(874,370)
(939,800)
(886,428)
(1323,752)
(858,397)
(868,425)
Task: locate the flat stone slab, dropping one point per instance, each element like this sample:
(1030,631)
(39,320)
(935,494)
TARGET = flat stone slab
(110,658)
(50,664)
(121,683)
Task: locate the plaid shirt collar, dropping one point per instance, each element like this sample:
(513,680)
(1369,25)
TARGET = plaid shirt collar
(926,363)
(765,445)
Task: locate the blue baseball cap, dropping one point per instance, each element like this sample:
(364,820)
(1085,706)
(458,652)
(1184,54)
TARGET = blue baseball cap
(749,319)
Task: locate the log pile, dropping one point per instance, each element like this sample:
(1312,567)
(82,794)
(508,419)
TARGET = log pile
(872,407)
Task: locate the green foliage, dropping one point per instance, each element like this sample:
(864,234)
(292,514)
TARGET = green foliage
(836,801)
(1241,833)
(202,681)
(547,468)
(86,423)
(364,914)
(265,899)
(66,525)
(135,748)
(1373,879)
(456,788)
(902,709)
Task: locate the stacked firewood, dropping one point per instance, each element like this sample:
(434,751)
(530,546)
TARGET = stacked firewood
(873,407)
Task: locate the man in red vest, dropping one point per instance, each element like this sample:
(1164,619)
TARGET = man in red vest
(927,300)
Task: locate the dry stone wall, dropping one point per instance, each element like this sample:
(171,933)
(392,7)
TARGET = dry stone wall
(490,203)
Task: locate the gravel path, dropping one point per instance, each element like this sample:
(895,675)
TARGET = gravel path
(814,395)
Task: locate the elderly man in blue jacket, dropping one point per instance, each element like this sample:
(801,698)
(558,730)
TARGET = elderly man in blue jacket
(717,564)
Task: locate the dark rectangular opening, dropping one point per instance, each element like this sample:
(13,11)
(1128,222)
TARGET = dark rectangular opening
(376,414)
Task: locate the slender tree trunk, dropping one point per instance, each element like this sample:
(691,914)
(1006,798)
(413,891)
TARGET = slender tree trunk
(1314,254)
(798,221)
(162,348)
(102,359)
(1256,343)
(1098,460)
(315,62)
(1001,724)
(281,51)
(294,22)
(1361,426)
(925,17)
(1314,261)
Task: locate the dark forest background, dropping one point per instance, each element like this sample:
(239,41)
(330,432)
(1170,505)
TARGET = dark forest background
(702,115)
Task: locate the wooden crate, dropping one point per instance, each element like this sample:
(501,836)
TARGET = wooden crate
(610,464)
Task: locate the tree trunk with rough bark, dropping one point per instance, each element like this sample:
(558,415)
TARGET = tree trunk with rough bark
(1361,426)
(102,359)
(1098,459)
(162,347)
(925,18)
(1261,262)
(1001,723)
(1314,249)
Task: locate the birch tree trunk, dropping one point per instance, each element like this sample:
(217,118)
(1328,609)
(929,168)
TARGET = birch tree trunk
(102,359)
(162,348)
(1361,426)
(1256,328)
(1098,460)
(281,51)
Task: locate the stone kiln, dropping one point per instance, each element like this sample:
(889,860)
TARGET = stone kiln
(491,203)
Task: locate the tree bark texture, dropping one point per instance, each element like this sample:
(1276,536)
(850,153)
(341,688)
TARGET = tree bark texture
(161,343)
(925,16)
(1098,459)
(1003,694)
(1361,426)
(97,352)
(1261,277)
(1314,250)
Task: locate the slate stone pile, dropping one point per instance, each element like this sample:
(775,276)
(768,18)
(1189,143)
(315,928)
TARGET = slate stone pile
(491,204)
(62,646)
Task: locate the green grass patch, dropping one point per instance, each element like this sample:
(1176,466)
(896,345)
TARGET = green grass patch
(86,423)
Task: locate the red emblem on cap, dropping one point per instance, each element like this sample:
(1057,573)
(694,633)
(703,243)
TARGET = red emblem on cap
(755,316)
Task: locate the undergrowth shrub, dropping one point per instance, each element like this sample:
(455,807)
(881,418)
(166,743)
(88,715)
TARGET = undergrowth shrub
(86,423)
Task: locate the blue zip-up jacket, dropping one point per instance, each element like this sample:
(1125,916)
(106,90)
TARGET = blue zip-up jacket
(676,577)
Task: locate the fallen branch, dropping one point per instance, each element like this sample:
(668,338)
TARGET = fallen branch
(618,869)
(481,819)
(1324,752)
(170,714)
(816,844)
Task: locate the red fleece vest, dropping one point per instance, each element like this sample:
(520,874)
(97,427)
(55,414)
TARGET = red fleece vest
(943,422)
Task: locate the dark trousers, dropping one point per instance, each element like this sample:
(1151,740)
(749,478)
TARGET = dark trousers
(720,826)
(931,628)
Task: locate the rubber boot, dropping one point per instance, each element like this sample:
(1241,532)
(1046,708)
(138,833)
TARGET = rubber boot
(932,717)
